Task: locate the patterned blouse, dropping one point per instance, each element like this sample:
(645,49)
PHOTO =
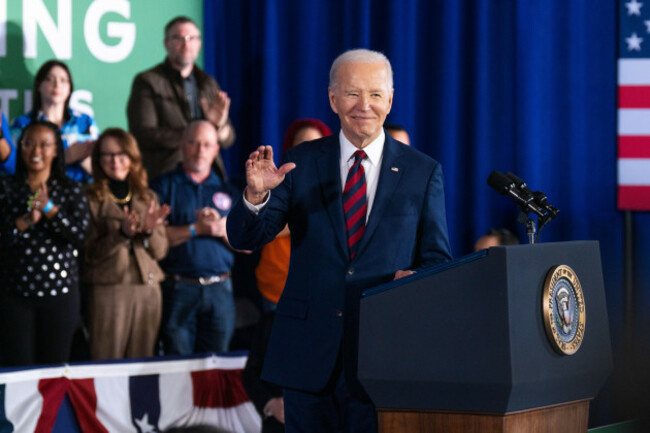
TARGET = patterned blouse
(42,260)
(80,128)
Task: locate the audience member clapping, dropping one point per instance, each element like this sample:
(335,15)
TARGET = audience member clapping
(51,101)
(43,224)
(165,99)
(126,238)
(198,302)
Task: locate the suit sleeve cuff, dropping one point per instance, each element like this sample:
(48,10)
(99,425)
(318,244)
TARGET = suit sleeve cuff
(256,209)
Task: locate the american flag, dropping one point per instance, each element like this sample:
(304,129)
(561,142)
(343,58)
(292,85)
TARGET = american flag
(147,396)
(634,105)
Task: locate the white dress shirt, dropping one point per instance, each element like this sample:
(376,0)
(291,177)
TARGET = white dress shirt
(371,164)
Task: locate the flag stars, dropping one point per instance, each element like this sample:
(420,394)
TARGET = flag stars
(633,7)
(647,26)
(634,42)
(144,426)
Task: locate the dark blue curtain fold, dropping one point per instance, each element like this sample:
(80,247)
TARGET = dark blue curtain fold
(522,86)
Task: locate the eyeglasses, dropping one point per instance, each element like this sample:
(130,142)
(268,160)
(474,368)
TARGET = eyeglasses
(28,144)
(110,156)
(187,38)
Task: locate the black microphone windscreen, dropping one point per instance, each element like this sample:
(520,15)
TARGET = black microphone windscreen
(516,179)
(499,182)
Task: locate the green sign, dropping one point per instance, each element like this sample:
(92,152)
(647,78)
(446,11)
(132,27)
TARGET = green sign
(105,43)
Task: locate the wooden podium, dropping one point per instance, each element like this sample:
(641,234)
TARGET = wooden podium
(463,347)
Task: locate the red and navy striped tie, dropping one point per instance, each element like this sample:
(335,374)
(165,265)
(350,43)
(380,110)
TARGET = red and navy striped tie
(355,205)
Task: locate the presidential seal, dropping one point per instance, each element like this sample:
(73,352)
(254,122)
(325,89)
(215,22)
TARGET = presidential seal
(563,305)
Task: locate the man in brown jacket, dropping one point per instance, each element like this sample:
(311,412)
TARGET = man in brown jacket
(166,98)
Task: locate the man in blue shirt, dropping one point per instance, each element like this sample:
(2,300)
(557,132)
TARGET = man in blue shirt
(198,305)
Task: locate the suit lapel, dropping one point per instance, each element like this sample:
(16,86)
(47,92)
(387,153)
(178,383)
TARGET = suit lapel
(110,209)
(389,175)
(329,177)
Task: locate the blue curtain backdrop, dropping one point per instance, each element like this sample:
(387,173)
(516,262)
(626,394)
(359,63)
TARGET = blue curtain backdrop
(522,86)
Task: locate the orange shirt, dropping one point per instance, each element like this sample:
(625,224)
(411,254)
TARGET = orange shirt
(273,268)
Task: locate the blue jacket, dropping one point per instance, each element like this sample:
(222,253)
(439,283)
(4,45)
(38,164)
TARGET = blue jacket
(317,314)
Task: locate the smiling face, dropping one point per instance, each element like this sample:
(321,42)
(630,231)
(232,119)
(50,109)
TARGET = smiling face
(55,87)
(113,159)
(38,149)
(362,99)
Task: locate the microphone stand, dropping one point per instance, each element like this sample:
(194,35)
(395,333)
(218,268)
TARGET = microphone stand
(531,228)
(529,202)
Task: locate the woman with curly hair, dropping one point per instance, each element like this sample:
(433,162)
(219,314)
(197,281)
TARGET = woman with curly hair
(127,237)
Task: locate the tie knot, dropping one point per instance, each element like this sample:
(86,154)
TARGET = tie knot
(359,156)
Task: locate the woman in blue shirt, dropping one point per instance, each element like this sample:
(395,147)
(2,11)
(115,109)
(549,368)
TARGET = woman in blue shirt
(51,101)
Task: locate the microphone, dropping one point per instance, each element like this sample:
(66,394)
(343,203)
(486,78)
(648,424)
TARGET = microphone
(519,182)
(538,196)
(542,200)
(500,183)
(505,185)
(528,201)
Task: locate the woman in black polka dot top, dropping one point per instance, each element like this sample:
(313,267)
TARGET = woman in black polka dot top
(43,223)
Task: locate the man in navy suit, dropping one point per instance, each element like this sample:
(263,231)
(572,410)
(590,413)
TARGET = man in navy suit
(312,351)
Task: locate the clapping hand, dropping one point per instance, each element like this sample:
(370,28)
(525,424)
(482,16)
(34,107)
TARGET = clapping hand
(262,175)
(210,222)
(154,217)
(217,112)
(130,222)
(39,202)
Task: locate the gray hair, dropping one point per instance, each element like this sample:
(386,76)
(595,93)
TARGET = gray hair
(360,55)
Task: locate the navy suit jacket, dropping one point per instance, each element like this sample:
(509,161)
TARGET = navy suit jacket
(317,314)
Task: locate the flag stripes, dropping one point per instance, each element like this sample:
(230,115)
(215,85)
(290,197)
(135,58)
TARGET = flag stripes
(127,397)
(633,164)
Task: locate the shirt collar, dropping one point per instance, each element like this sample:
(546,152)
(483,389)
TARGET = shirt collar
(190,78)
(41,115)
(175,73)
(213,179)
(373,150)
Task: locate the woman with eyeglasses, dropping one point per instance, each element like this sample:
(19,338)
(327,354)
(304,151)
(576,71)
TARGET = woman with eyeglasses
(127,238)
(43,224)
(53,89)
